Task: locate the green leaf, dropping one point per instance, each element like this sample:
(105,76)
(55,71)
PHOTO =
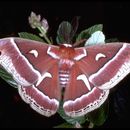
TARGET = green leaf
(74,24)
(8,78)
(64,32)
(30,36)
(60,39)
(69,119)
(85,34)
(64,125)
(99,116)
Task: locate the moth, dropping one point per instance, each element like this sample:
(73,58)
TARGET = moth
(80,77)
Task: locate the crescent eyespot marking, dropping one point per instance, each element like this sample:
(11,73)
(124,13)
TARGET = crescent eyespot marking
(99,55)
(85,80)
(34,52)
(46,74)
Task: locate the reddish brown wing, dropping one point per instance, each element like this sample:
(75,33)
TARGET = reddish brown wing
(106,65)
(44,97)
(35,71)
(80,95)
(93,75)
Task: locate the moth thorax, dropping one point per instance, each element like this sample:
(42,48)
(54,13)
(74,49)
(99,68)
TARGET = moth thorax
(63,78)
(66,63)
(67,51)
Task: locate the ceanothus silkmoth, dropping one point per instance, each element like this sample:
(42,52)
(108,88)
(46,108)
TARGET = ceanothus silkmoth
(86,74)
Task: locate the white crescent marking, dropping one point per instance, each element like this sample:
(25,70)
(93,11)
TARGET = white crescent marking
(46,74)
(99,55)
(85,80)
(34,52)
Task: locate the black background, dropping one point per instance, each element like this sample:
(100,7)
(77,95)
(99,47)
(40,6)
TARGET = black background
(14,18)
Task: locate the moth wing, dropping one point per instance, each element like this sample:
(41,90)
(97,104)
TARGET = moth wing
(80,95)
(44,96)
(33,67)
(97,69)
(106,65)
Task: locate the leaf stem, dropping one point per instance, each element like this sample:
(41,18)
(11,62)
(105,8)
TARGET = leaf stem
(79,42)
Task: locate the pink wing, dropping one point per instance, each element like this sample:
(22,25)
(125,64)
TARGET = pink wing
(45,95)
(109,65)
(80,95)
(35,71)
(93,75)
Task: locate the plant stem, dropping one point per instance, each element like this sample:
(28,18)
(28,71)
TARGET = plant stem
(44,34)
(79,42)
